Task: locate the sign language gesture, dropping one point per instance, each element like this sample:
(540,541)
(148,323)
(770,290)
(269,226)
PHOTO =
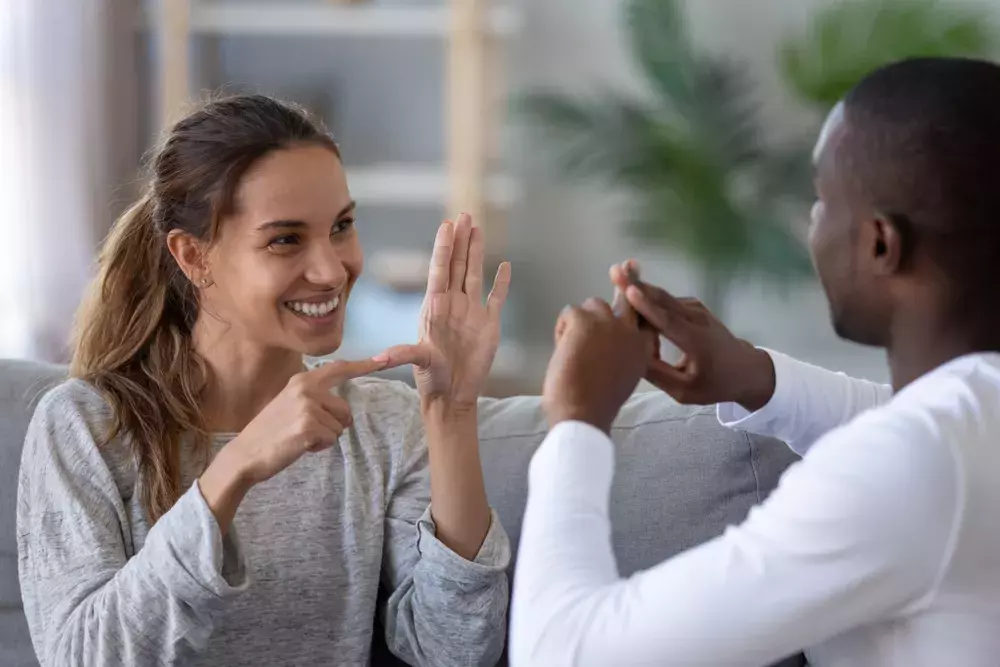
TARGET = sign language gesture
(598,361)
(716,366)
(304,417)
(459,334)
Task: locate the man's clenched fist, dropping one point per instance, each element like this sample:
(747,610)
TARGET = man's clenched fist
(598,361)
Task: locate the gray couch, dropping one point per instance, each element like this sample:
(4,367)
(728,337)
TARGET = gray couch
(681,479)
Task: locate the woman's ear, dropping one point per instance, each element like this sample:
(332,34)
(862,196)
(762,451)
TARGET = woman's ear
(190,255)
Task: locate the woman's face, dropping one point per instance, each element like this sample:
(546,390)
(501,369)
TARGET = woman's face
(286,260)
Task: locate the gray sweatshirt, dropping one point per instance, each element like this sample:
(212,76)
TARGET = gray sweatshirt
(295,582)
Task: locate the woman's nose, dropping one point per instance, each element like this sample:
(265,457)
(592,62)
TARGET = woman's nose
(326,268)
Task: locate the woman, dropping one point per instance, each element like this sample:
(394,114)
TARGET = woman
(193,495)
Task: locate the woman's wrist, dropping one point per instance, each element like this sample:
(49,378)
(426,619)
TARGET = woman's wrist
(443,410)
(459,506)
(224,484)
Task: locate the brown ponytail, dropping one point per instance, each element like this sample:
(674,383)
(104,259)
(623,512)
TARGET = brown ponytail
(132,339)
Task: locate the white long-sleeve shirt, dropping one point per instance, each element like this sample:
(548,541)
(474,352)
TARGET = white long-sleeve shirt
(881,547)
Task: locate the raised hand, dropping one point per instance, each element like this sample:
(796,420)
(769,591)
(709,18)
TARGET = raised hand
(715,367)
(459,334)
(598,361)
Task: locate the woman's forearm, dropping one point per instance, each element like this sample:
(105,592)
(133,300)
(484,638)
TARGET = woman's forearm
(458,495)
(223,485)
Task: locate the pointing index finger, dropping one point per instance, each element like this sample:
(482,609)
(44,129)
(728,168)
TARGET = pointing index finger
(622,276)
(332,373)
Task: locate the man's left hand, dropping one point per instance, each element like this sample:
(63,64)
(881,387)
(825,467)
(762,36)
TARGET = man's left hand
(598,361)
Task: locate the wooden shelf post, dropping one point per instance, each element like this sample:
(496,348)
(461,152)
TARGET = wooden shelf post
(173,32)
(466,116)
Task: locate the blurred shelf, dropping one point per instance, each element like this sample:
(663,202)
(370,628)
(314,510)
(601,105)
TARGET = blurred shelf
(321,17)
(471,32)
(419,185)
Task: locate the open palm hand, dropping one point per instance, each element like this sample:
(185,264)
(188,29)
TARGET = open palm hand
(459,333)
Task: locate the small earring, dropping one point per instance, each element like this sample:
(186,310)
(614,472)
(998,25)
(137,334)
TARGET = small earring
(204,282)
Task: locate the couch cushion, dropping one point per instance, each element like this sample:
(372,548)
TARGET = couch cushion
(22,383)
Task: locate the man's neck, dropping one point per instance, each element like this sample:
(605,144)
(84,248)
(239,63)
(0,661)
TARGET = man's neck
(918,347)
(243,376)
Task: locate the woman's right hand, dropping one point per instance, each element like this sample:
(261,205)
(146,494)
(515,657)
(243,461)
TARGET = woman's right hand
(304,417)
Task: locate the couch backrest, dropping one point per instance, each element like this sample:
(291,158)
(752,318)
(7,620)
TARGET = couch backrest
(22,383)
(681,478)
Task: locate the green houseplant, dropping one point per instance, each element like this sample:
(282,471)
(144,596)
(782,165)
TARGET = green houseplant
(691,156)
(847,40)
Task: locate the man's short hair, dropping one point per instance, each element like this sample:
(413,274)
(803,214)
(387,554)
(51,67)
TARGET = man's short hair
(922,148)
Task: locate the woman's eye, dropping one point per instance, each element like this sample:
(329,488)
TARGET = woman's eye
(284,241)
(342,226)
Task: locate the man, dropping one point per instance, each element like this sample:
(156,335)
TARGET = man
(881,547)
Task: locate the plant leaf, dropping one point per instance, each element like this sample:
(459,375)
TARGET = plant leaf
(657,33)
(849,40)
(693,161)
(608,138)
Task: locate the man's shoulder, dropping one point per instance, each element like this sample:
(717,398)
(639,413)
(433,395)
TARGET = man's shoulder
(953,403)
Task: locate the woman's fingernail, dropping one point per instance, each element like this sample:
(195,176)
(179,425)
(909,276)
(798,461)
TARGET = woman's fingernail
(381,358)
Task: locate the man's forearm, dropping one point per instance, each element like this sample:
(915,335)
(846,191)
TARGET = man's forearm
(806,403)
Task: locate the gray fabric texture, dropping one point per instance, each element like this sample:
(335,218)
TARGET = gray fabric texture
(294,582)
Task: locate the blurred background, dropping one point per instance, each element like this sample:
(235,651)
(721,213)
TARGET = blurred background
(578,132)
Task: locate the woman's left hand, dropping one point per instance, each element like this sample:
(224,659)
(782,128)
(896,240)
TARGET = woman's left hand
(459,334)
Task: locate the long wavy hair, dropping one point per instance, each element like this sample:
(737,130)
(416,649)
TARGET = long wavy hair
(132,336)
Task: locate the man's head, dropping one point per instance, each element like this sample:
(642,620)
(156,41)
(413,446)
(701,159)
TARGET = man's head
(907,179)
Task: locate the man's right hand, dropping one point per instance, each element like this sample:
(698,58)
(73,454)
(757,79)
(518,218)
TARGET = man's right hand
(716,366)
(598,361)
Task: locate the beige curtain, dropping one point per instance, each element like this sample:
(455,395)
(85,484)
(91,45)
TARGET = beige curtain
(67,147)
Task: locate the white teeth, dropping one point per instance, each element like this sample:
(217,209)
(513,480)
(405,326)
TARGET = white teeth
(314,309)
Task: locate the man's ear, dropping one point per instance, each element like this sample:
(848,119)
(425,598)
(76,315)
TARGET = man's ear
(190,255)
(886,245)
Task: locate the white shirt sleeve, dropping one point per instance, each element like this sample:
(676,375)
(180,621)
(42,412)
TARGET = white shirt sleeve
(808,401)
(851,536)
